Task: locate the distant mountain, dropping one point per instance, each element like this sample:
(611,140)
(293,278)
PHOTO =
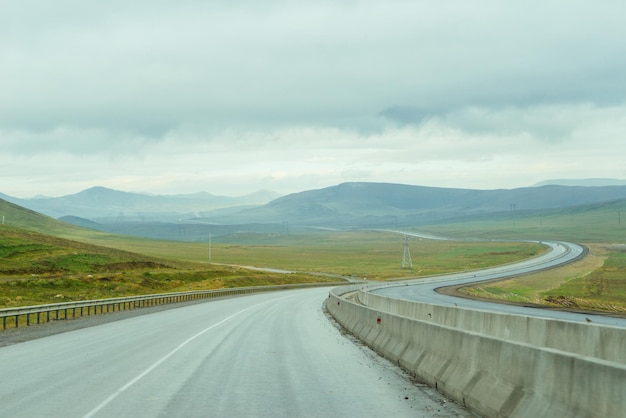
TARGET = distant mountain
(582,182)
(102,204)
(347,205)
(371,204)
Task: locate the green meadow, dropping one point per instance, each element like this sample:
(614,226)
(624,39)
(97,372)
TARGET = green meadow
(44,261)
(597,282)
(37,268)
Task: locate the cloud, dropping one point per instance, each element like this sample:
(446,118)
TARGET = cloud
(297,94)
(316,63)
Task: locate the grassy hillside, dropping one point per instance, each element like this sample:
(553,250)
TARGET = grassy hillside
(79,263)
(37,268)
(30,253)
(83,264)
(378,205)
(595,283)
(19,217)
(602,222)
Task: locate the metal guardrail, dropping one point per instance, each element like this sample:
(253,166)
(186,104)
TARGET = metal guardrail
(42,313)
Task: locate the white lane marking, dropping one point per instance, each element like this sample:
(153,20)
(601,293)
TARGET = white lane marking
(161,360)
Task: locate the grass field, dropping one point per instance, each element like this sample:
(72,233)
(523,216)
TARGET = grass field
(375,255)
(592,223)
(372,254)
(37,268)
(596,283)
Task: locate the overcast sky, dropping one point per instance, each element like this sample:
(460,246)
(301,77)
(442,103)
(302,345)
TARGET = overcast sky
(234,96)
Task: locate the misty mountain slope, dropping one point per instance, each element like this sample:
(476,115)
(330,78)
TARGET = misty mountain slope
(107,204)
(368,203)
(343,205)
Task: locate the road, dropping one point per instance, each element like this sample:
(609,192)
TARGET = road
(423,290)
(264,355)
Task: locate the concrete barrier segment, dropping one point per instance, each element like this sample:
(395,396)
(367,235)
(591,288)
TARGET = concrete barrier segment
(587,339)
(492,375)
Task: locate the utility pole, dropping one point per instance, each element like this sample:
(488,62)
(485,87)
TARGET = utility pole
(406,256)
(209,247)
(513,205)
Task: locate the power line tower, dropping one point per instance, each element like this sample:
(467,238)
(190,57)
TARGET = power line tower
(406,256)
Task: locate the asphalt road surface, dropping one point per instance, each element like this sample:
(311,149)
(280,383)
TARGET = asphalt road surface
(264,355)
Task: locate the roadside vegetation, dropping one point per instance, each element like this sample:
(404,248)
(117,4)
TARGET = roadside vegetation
(598,282)
(38,269)
(43,260)
(369,254)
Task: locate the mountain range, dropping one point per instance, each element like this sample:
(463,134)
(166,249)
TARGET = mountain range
(347,205)
(371,203)
(101,204)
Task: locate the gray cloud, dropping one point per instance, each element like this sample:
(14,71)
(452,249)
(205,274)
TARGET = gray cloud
(95,78)
(320,63)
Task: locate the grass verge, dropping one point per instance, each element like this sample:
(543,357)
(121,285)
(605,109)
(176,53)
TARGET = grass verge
(596,283)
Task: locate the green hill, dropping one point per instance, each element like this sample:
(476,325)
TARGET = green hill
(598,222)
(32,244)
(19,217)
(43,260)
(385,205)
(29,253)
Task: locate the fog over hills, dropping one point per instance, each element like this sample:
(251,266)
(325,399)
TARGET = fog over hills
(371,203)
(347,205)
(107,205)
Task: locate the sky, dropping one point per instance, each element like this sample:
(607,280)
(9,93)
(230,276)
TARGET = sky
(231,97)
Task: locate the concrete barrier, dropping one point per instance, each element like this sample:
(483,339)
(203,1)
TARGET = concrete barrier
(495,364)
(588,339)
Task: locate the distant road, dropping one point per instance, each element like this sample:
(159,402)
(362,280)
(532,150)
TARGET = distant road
(423,290)
(263,355)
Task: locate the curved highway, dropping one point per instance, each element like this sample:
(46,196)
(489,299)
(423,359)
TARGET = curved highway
(423,290)
(263,355)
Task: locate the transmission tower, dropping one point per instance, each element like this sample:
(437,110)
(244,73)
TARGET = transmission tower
(406,256)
